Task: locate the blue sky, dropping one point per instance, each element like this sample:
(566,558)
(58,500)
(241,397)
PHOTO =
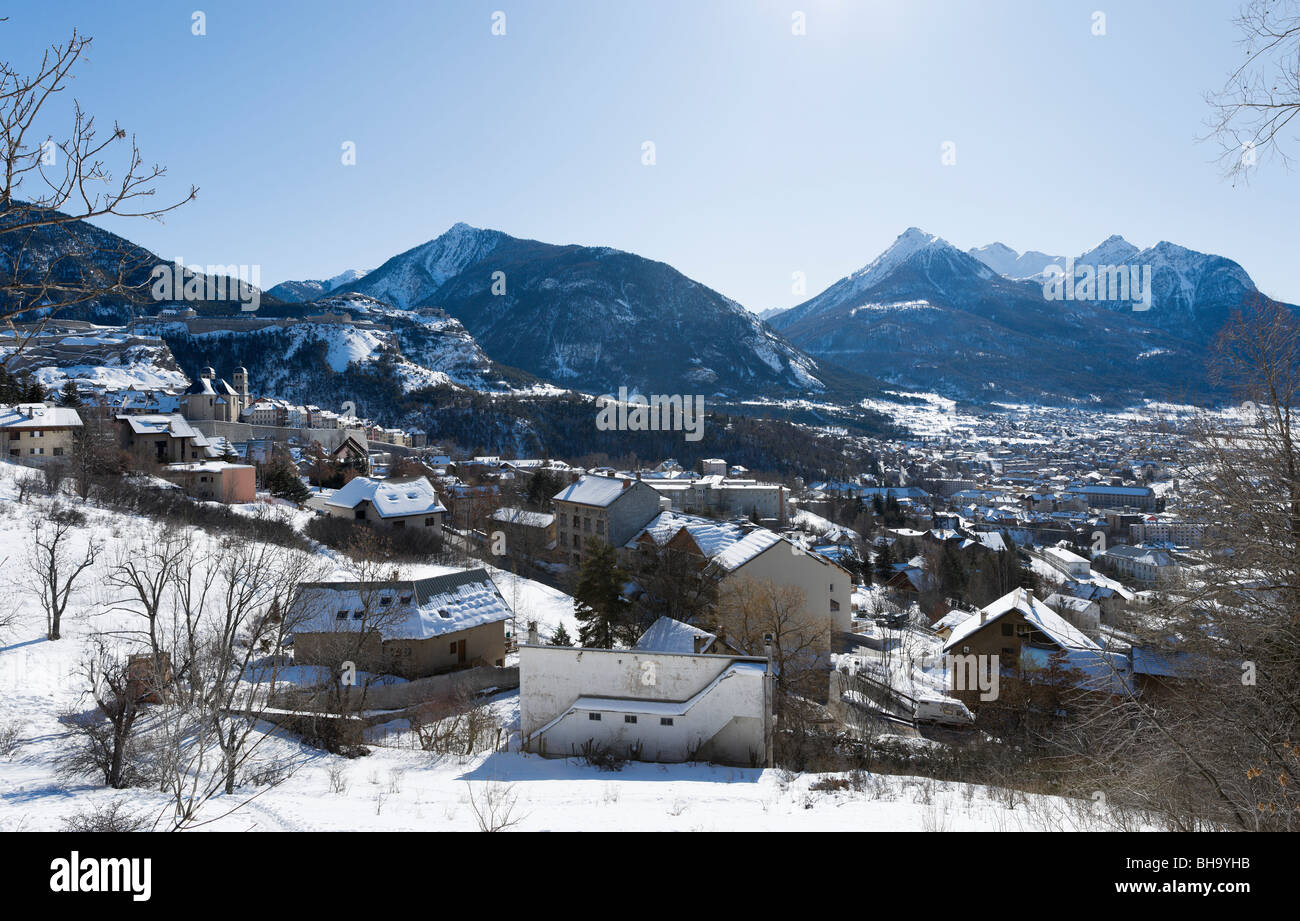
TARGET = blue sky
(775,153)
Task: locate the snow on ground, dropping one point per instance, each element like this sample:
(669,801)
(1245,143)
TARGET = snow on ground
(398,787)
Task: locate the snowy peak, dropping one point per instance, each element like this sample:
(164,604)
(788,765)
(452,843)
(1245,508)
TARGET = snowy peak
(412,276)
(1114,250)
(911,241)
(1007,262)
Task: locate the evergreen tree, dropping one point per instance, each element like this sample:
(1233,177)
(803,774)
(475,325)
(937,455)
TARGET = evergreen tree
(884,563)
(561,637)
(69,396)
(598,604)
(281,479)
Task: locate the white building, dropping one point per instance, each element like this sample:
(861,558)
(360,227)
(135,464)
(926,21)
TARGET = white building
(645,704)
(1073,565)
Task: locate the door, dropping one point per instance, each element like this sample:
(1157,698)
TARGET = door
(460,652)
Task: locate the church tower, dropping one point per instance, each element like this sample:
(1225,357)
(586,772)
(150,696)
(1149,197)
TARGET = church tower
(241,385)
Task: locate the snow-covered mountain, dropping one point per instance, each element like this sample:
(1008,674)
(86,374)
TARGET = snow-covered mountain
(1193,293)
(412,277)
(593,318)
(1010,264)
(925,314)
(296,292)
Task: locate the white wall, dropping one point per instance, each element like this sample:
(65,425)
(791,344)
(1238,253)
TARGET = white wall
(726,725)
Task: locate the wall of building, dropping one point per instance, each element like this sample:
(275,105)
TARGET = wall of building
(52,443)
(242,431)
(821,582)
(727,725)
(485,644)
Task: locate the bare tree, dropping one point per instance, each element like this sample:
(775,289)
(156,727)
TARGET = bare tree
(1213,744)
(49,184)
(494,807)
(1262,95)
(233,620)
(53,566)
(105,735)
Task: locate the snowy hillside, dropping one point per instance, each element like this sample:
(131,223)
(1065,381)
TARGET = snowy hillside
(398,787)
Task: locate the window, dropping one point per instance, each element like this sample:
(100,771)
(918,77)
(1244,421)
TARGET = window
(593,716)
(600,526)
(1008,630)
(385,600)
(359,514)
(431,522)
(629,719)
(399,524)
(342,615)
(58,452)
(832,588)
(406,599)
(835,605)
(665,721)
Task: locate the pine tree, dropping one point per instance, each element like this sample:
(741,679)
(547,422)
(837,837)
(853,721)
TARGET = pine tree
(282,480)
(598,603)
(69,396)
(884,563)
(561,637)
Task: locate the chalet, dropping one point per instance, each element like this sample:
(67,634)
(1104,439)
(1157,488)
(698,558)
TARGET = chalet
(397,503)
(1022,635)
(410,627)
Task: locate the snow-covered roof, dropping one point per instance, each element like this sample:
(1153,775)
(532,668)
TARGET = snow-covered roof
(173,424)
(207,467)
(669,635)
(593,490)
(390,498)
(38,416)
(730,545)
(523,517)
(432,607)
(1035,612)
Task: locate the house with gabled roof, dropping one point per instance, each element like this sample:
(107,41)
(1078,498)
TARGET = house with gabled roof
(739,551)
(1023,635)
(407,627)
(405,502)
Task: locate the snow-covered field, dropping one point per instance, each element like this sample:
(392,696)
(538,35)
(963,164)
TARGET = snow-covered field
(398,787)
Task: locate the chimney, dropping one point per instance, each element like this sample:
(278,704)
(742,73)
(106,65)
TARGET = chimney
(532,633)
(627,484)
